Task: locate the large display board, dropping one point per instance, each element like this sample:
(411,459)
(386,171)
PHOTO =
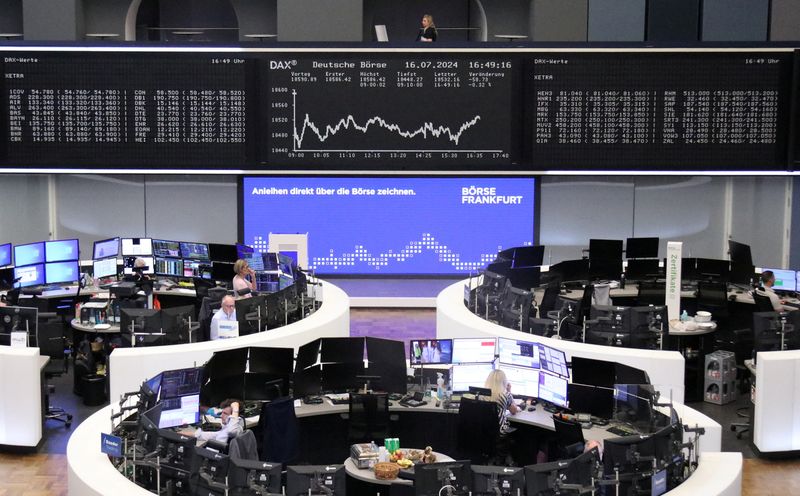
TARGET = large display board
(126,110)
(621,110)
(369,111)
(392,225)
(494,111)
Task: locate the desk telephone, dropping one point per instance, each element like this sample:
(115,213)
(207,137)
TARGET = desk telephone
(414,401)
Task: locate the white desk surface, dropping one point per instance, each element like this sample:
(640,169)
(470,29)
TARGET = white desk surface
(76,324)
(368,475)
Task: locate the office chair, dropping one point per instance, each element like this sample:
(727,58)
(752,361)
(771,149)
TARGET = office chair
(569,438)
(651,293)
(490,293)
(549,298)
(515,309)
(278,431)
(53,345)
(369,418)
(207,310)
(201,287)
(478,430)
(763,303)
(713,297)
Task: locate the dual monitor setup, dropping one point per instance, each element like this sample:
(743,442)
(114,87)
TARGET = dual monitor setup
(41,263)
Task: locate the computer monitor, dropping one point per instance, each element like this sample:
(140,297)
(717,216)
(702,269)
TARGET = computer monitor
(342,377)
(497,481)
(243,474)
(717,270)
(5,254)
(648,324)
(144,320)
(147,429)
(170,267)
(742,274)
(318,479)
(612,317)
(192,268)
(633,404)
(596,401)
(29,254)
(270,261)
(387,360)
(18,319)
(625,374)
(546,479)
(499,268)
(180,382)
(222,271)
(527,278)
(689,270)
(431,351)
(105,248)
(106,267)
(518,353)
(341,350)
(553,361)
(254,260)
(153,384)
(553,389)
(624,455)
(570,271)
(429,479)
(134,247)
(641,248)
(61,250)
(773,331)
(285,264)
(181,410)
(29,275)
(605,249)
(215,466)
(243,250)
(307,381)
(643,269)
(166,248)
(219,252)
(524,381)
(307,355)
(740,252)
(474,350)
(593,372)
(61,272)
(528,256)
(175,320)
(129,261)
(194,251)
(177,453)
(785,280)
(605,269)
(251,313)
(466,375)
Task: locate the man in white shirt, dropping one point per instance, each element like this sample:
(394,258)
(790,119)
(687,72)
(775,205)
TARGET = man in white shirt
(226,313)
(767,281)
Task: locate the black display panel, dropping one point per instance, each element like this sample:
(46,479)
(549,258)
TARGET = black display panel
(131,110)
(656,110)
(373,110)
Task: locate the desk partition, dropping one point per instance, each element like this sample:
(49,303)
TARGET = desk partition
(20,397)
(665,368)
(776,426)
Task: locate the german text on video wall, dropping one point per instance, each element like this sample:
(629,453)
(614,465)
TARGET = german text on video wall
(534,110)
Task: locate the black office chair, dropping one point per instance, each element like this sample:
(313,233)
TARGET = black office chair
(713,297)
(763,303)
(53,345)
(515,309)
(548,304)
(651,293)
(569,438)
(201,287)
(369,418)
(278,431)
(478,430)
(489,295)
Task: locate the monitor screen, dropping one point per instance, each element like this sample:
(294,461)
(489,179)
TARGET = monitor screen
(61,250)
(785,280)
(165,248)
(605,249)
(431,351)
(137,246)
(105,248)
(29,254)
(194,251)
(518,353)
(553,361)
(58,272)
(106,267)
(242,250)
(29,275)
(182,410)
(5,254)
(393,225)
(255,261)
(553,389)
(154,384)
(172,267)
(129,261)
(507,480)
(641,248)
(466,375)
(180,382)
(740,252)
(474,350)
(524,381)
(192,268)
(218,252)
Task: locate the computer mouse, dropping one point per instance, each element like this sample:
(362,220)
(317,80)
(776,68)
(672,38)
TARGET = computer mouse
(531,408)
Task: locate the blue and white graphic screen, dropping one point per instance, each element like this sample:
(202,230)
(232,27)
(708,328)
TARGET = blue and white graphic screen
(392,225)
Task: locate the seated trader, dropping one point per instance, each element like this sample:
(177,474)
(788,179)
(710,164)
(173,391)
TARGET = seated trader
(232,424)
(504,400)
(226,313)
(245,277)
(767,281)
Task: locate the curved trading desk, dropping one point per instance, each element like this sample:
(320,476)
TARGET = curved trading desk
(91,472)
(129,367)
(665,368)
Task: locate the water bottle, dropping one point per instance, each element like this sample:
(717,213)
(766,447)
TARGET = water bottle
(684,316)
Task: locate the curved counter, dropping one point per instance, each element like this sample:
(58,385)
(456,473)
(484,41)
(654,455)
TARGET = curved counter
(129,367)
(665,368)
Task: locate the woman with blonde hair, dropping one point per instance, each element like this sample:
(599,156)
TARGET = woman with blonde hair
(245,278)
(498,383)
(427,32)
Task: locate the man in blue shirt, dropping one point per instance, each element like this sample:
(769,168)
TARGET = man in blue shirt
(226,313)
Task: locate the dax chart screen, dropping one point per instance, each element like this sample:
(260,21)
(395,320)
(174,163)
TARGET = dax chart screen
(392,225)
(381,110)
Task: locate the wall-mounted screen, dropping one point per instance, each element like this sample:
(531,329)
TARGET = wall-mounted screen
(392,225)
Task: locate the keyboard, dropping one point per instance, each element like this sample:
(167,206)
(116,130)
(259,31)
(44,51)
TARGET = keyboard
(621,431)
(339,399)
